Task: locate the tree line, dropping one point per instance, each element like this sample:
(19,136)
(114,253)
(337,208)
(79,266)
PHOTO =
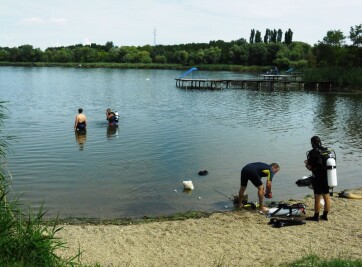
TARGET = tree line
(269,50)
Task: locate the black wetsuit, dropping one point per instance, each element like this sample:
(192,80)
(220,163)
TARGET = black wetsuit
(113,118)
(320,183)
(254,172)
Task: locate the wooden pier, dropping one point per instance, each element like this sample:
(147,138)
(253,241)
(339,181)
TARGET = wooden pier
(270,82)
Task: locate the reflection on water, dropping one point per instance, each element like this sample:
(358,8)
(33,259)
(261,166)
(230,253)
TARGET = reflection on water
(112,130)
(81,138)
(166,135)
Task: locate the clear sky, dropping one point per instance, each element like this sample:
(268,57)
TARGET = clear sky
(47,23)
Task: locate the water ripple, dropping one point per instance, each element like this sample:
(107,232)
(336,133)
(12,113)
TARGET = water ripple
(165,135)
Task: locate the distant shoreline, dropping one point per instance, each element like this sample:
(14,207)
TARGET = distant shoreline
(212,67)
(312,74)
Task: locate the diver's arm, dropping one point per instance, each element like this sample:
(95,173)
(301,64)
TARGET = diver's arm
(76,122)
(268,186)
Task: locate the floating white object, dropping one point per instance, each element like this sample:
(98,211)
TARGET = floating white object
(188,185)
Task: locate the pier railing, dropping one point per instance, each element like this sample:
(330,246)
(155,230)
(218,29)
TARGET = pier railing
(263,81)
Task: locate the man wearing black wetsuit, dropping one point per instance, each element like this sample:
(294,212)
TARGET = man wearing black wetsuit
(254,172)
(314,163)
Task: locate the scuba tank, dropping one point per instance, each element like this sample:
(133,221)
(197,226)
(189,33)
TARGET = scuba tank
(329,159)
(331,171)
(116,116)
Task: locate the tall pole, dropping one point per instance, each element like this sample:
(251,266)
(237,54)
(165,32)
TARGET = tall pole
(154,37)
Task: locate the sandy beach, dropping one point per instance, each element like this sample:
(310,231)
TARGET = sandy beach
(236,238)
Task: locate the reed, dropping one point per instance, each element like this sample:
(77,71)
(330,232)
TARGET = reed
(342,77)
(25,241)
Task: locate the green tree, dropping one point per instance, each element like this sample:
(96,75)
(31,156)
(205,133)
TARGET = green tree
(252,36)
(182,57)
(87,54)
(282,57)
(108,46)
(279,36)
(334,38)
(144,57)
(258,54)
(267,36)
(297,55)
(26,53)
(212,55)
(4,55)
(272,51)
(160,59)
(258,37)
(14,55)
(127,54)
(355,34)
(200,57)
(273,36)
(288,37)
(239,54)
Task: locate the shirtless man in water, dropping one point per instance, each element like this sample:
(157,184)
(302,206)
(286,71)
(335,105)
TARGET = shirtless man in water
(80,121)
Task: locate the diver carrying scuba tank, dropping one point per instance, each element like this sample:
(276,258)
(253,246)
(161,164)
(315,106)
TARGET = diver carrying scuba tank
(112,117)
(321,161)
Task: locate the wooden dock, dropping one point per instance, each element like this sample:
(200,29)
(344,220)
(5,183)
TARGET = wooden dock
(270,82)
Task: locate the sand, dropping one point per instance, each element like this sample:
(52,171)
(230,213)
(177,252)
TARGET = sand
(236,238)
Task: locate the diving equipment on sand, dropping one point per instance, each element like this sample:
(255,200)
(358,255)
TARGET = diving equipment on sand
(287,210)
(306,181)
(290,221)
(346,194)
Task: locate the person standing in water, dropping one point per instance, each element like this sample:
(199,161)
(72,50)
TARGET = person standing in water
(111,116)
(80,123)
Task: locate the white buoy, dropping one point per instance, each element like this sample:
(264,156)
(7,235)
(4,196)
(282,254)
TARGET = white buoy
(188,185)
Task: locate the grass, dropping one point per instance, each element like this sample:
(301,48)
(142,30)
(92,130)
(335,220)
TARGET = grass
(316,261)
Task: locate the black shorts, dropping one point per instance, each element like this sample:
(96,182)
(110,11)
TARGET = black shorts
(320,184)
(251,174)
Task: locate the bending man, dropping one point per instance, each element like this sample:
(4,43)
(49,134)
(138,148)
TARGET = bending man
(254,172)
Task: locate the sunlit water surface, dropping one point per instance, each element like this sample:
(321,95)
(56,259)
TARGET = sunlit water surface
(166,135)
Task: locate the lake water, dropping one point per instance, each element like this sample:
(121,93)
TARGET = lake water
(166,135)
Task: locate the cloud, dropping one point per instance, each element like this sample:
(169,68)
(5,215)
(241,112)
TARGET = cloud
(32,21)
(39,21)
(58,21)
(86,41)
